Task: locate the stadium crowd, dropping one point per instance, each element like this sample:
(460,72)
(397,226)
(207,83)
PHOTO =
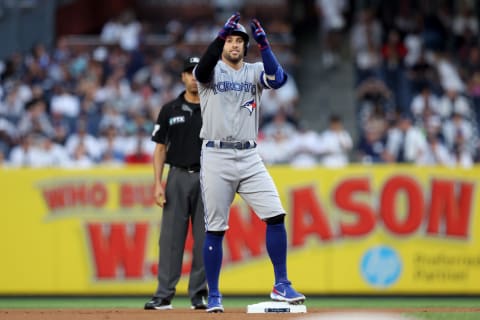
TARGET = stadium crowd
(417,83)
(417,80)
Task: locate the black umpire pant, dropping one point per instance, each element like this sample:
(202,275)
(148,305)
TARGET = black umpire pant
(183,203)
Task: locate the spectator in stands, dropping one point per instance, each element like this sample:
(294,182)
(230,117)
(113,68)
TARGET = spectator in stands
(284,100)
(40,55)
(91,112)
(112,117)
(124,30)
(374,100)
(275,145)
(458,131)
(275,149)
(140,155)
(35,119)
(76,67)
(62,128)
(306,148)
(474,92)
(140,137)
(111,143)
(8,136)
(117,91)
(142,98)
(393,50)
(423,73)
(437,152)
(435,29)
(371,146)
(331,14)
(424,103)
(405,142)
(433,125)
(462,157)
(110,157)
(454,102)
(287,58)
(80,156)
(464,26)
(15,66)
(470,64)
(279,126)
(65,103)
(336,144)
(281,30)
(17,95)
(474,84)
(200,32)
(81,145)
(365,39)
(413,41)
(111,31)
(35,72)
(52,154)
(159,78)
(26,154)
(137,126)
(366,28)
(174,29)
(448,73)
(62,51)
(373,89)
(393,69)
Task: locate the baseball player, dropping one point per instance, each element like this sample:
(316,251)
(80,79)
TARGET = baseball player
(230,91)
(176,134)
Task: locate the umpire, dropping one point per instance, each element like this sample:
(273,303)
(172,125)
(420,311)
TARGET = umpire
(176,135)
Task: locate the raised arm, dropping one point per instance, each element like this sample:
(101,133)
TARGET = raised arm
(204,69)
(274,77)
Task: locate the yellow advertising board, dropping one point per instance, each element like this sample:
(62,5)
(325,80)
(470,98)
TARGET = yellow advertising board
(356,230)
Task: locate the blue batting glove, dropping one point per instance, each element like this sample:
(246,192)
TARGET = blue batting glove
(259,34)
(229,26)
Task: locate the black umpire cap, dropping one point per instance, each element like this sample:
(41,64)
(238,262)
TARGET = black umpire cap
(189,63)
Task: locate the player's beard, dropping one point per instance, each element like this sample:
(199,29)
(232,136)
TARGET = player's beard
(233,59)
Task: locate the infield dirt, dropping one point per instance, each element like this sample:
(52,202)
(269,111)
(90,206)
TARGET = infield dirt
(186,314)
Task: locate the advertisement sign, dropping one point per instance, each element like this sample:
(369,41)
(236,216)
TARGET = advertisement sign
(356,230)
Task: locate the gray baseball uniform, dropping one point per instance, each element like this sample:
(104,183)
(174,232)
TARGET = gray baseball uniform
(229,161)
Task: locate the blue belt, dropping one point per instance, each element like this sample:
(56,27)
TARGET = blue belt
(240,145)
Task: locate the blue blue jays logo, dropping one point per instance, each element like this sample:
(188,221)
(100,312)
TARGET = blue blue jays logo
(250,105)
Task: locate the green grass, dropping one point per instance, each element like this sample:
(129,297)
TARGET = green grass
(238,302)
(242,302)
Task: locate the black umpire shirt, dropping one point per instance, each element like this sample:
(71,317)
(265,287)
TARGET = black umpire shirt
(178,128)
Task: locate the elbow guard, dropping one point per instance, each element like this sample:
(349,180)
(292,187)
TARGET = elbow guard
(274,81)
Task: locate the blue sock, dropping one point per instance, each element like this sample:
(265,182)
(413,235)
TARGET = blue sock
(276,240)
(212,259)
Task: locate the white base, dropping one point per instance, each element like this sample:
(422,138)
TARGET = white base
(276,307)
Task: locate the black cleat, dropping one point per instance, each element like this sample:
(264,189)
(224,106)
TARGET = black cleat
(199,302)
(199,306)
(158,304)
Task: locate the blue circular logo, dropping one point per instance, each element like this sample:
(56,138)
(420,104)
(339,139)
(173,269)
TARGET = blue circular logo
(381,266)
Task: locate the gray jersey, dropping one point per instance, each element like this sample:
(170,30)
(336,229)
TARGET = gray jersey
(239,92)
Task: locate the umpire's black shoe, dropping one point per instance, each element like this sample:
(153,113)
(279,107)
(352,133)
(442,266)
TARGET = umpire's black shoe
(158,304)
(199,305)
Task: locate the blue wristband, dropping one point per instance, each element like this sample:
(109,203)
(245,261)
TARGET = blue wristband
(270,63)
